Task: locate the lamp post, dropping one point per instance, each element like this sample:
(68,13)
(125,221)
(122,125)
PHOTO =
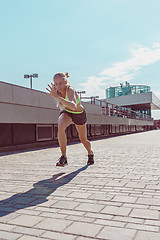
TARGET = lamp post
(81,92)
(34,75)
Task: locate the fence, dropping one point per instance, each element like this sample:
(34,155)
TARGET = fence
(116,111)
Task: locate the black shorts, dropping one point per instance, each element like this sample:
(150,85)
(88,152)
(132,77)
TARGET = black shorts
(77,118)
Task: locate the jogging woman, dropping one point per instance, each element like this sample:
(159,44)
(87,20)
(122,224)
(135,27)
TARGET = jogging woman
(71,111)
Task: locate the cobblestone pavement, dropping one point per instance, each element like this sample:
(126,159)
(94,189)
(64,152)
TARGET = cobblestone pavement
(118,198)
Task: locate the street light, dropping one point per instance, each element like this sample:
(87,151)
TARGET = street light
(34,75)
(81,92)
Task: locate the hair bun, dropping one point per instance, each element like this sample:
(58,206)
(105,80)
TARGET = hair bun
(67,74)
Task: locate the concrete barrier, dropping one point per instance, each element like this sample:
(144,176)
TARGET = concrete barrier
(29,118)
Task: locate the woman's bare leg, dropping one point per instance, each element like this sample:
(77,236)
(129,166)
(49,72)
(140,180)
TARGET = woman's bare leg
(63,122)
(82,132)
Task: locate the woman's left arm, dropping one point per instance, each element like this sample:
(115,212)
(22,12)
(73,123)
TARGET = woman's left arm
(71,103)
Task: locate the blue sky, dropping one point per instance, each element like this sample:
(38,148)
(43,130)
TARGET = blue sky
(99,42)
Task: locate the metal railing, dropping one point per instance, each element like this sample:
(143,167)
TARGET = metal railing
(116,111)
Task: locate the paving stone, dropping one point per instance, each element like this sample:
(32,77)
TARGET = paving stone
(99,215)
(109,223)
(133,205)
(115,183)
(26,237)
(152,222)
(142,227)
(58,236)
(26,220)
(149,201)
(101,196)
(116,210)
(53,215)
(79,195)
(29,212)
(152,186)
(61,193)
(144,213)
(125,199)
(135,185)
(9,235)
(71,212)
(83,238)
(65,205)
(53,224)
(113,233)
(86,200)
(46,204)
(46,209)
(6,227)
(84,229)
(154,208)
(80,219)
(7,217)
(147,236)
(29,231)
(89,207)
(109,203)
(117,198)
(128,219)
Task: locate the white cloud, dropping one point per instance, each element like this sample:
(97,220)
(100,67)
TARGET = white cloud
(156,45)
(122,71)
(95,86)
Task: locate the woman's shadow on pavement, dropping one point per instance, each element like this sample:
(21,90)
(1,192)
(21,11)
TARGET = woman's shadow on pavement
(38,194)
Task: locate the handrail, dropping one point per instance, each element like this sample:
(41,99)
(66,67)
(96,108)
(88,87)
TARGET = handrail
(117,111)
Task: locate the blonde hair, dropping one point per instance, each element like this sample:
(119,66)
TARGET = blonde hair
(62,75)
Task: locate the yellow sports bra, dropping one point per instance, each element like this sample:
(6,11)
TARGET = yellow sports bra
(77,102)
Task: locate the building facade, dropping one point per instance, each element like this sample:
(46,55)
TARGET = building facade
(138,98)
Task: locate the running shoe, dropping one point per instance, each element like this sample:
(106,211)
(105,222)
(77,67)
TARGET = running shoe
(62,161)
(90,159)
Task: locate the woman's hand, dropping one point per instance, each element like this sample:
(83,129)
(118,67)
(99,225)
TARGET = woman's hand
(52,91)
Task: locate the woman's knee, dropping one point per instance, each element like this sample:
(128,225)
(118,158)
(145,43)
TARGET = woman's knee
(83,140)
(62,125)
(63,122)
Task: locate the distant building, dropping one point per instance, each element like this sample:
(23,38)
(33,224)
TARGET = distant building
(136,97)
(126,89)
